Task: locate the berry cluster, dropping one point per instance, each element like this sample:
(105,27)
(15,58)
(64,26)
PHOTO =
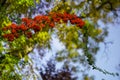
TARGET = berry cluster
(56,17)
(30,26)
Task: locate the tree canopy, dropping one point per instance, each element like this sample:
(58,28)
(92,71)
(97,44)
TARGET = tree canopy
(74,23)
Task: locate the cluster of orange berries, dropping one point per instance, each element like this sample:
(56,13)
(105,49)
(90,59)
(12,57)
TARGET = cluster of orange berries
(30,26)
(56,17)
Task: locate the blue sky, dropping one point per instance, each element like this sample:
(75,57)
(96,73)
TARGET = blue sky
(109,59)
